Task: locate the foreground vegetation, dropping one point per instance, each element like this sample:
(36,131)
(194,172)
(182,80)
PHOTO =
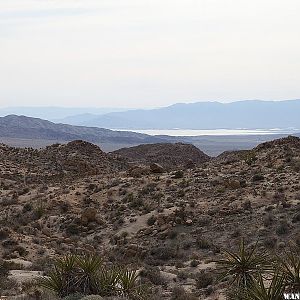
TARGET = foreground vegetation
(171,227)
(249,273)
(87,275)
(257,275)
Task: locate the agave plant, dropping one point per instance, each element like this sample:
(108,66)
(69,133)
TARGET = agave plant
(264,290)
(242,267)
(289,267)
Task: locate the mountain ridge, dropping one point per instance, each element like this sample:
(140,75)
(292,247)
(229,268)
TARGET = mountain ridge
(250,114)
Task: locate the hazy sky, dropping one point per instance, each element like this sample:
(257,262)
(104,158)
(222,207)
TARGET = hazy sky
(143,53)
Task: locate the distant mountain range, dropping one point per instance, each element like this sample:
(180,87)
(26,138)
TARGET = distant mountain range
(202,115)
(22,131)
(22,127)
(53,113)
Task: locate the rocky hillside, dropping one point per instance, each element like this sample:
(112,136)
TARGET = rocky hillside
(170,226)
(23,127)
(56,162)
(169,156)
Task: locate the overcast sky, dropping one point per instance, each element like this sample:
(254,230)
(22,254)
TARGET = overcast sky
(145,53)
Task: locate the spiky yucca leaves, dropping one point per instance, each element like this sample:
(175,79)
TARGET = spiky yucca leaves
(129,286)
(88,270)
(87,275)
(62,279)
(289,267)
(263,290)
(108,280)
(242,267)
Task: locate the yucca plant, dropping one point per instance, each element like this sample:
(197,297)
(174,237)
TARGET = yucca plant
(108,280)
(242,267)
(87,276)
(129,286)
(289,267)
(262,289)
(62,279)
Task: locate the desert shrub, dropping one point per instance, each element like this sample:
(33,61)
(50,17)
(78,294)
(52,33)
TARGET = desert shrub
(258,177)
(178,293)
(296,218)
(247,205)
(92,297)
(75,296)
(172,234)
(151,220)
(283,228)
(7,201)
(72,229)
(250,158)
(202,243)
(4,269)
(181,193)
(204,220)
(270,242)
(204,279)
(178,174)
(296,165)
(164,253)
(4,233)
(39,209)
(27,207)
(268,220)
(194,263)
(153,275)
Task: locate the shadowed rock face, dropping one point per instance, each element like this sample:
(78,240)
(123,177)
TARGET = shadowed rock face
(170,156)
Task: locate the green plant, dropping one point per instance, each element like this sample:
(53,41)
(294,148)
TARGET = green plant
(4,268)
(242,267)
(108,280)
(128,285)
(204,279)
(40,209)
(260,290)
(62,279)
(289,267)
(88,276)
(250,158)
(92,297)
(76,296)
(88,267)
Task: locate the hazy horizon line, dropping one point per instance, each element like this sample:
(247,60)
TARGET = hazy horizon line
(145,107)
